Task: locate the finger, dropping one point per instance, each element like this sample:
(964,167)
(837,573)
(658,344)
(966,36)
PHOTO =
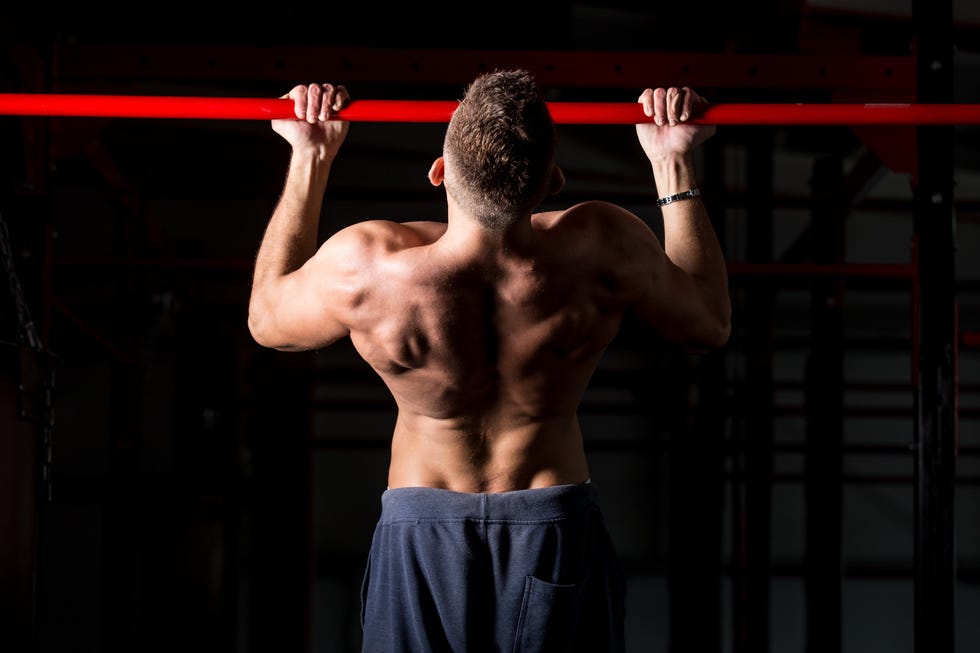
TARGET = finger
(326,101)
(646,99)
(342,98)
(674,101)
(334,99)
(689,96)
(660,106)
(298,96)
(313,102)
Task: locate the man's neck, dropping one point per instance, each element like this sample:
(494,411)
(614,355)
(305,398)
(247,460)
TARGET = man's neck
(465,231)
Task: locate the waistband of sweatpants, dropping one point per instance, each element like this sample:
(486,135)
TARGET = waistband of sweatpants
(538,504)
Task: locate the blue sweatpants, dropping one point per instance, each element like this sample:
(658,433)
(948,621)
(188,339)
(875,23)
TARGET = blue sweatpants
(512,572)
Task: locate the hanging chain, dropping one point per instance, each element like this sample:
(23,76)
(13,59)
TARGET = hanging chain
(27,335)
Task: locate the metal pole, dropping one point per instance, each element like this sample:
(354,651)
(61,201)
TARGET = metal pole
(607,113)
(935,434)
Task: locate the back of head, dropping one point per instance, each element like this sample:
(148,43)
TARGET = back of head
(500,148)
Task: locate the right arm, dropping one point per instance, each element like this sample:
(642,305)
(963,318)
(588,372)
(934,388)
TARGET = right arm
(687,297)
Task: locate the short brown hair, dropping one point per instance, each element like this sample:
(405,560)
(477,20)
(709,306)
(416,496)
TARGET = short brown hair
(500,147)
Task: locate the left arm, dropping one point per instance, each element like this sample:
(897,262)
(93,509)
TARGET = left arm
(286,306)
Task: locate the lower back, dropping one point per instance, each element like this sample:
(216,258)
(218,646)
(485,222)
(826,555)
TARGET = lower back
(451,455)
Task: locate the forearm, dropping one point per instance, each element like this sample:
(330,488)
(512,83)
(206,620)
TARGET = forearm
(690,240)
(291,236)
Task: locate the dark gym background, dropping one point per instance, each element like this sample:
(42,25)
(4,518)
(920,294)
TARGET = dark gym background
(166,484)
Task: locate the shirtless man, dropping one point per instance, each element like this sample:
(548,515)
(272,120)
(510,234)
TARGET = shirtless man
(486,328)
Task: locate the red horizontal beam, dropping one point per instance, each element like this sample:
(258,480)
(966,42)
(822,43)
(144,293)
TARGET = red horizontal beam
(833,270)
(873,76)
(145,106)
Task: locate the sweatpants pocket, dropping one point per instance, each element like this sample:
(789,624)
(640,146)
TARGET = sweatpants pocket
(549,614)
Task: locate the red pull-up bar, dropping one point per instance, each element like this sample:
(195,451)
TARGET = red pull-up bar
(608,113)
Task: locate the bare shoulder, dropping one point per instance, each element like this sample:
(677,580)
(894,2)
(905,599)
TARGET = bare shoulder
(386,235)
(609,236)
(606,218)
(427,231)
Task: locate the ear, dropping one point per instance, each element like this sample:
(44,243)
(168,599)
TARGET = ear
(557,180)
(437,173)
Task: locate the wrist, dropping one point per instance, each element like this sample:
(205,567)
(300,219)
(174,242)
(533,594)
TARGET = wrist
(313,151)
(310,163)
(673,173)
(679,197)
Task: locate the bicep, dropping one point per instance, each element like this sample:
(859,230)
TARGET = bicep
(670,302)
(307,308)
(662,296)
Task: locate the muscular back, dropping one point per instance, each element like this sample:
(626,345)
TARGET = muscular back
(487,347)
(487,330)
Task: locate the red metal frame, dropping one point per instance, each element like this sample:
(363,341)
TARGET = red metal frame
(874,76)
(148,106)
